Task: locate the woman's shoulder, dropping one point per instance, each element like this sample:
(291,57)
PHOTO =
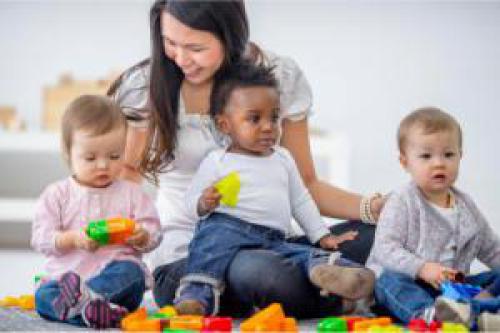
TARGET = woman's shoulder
(295,90)
(285,67)
(136,76)
(132,93)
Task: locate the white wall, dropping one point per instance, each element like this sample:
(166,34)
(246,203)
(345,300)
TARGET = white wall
(369,63)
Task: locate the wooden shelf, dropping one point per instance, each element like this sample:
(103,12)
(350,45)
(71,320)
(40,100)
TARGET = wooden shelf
(29,141)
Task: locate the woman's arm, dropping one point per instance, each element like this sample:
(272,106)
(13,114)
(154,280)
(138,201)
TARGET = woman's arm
(134,148)
(332,201)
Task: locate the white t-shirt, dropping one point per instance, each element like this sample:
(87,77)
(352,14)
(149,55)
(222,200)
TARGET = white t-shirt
(271,191)
(196,137)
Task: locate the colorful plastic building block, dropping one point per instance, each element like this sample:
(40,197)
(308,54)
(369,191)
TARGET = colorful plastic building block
(453,328)
(168,310)
(217,324)
(460,292)
(137,321)
(229,188)
(332,324)
(186,322)
(111,231)
(385,329)
(420,325)
(289,325)
(364,325)
(26,302)
(270,319)
(351,320)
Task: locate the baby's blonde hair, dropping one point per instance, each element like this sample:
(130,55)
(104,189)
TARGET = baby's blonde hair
(430,120)
(94,113)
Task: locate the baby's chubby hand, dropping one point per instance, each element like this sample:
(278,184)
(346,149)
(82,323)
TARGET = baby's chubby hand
(434,273)
(332,242)
(140,238)
(83,242)
(209,200)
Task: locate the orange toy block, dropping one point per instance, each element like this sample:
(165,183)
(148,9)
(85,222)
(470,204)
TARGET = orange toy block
(364,325)
(268,319)
(138,321)
(186,322)
(289,325)
(27,302)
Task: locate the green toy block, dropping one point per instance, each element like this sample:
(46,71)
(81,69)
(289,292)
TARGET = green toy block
(98,231)
(332,324)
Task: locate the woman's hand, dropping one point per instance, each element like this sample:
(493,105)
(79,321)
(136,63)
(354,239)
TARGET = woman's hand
(376,205)
(209,200)
(140,238)
(434,273)
(332,242)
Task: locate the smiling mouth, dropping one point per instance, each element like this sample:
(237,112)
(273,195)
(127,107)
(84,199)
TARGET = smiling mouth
(192,73)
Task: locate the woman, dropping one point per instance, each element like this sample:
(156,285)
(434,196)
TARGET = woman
(168,95)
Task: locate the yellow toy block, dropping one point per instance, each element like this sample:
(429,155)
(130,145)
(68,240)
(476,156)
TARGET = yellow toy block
(385,329)
(26,302)
(9,301)
(229,188)
(168,310)
(453,328)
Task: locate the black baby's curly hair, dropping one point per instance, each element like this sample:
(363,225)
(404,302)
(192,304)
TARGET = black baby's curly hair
(242,75)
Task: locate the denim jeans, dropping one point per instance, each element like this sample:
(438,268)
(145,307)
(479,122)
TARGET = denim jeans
(219,238)
(283,281)
(120,282)
(406,298)
(490,281)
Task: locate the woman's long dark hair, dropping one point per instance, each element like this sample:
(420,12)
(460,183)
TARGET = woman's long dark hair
(227,21)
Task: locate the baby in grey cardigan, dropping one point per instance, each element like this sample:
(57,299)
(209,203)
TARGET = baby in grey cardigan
(429,230)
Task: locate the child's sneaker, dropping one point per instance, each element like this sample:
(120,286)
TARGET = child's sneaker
(100,314)
(489,322)
(452,311)
(344,278)
(68,303)
(195,299)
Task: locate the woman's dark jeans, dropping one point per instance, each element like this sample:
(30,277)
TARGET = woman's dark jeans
(257,278)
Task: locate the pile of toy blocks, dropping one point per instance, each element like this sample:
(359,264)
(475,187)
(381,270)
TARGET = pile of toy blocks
(270,319)
(385,325)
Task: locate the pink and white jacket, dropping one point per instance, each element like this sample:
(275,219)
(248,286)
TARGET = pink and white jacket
(67,205)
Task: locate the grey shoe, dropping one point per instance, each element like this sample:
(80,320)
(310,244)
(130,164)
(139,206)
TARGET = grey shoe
(452,311)
(351,282)
(489,322)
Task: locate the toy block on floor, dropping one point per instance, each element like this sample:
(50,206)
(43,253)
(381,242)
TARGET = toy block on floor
(270,319)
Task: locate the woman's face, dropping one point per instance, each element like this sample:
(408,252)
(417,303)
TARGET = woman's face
(199,54)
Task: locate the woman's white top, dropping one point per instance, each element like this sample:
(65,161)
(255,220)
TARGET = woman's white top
(197,136)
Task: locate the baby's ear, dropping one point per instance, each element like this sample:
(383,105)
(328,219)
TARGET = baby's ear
(403,161)
(222,123)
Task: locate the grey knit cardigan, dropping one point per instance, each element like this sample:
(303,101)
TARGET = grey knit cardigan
(411,232)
